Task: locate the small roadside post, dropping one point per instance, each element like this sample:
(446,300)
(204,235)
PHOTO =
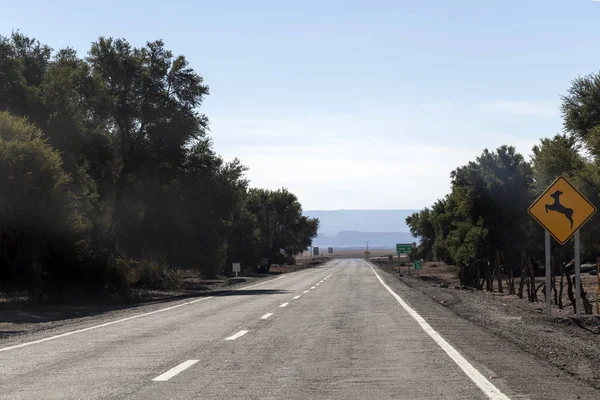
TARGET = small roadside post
(316,253)
(562,210)
(236,269)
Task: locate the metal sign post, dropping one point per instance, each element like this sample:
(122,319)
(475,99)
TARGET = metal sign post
(548,276)
(598,290)
(577,276)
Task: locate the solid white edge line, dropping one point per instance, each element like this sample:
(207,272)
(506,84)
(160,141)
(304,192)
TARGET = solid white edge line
(296,298)
(482,383)
(267,315)
(237,335)
(175,370)
(118,321)
(284,305)
(102,325)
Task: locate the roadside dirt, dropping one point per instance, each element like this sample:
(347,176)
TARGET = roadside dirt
(563,341)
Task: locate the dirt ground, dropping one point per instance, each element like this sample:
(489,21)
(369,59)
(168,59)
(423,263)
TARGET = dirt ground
(570,344)
(448,274)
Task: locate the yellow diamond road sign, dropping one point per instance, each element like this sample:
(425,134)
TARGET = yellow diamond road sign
(562,210)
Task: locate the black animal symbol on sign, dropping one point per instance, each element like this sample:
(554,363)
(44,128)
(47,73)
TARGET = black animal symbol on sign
(556,206)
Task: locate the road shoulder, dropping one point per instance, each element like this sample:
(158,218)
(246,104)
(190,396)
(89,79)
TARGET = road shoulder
(503,361)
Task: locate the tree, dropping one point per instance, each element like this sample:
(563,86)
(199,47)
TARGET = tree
(581,106)
(123,181)
(211,197)
(284,231)
(39,217)
(24,62)
(421,225)
(152,117)
(553,157)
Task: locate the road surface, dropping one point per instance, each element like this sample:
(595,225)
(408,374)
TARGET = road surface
(345,330)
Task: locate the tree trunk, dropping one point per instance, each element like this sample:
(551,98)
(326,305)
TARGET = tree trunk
(570,291)
(561,288)
(534,297)
(498,277)
(511,281)
(587,306)
(461,275)
(476,275)
(511,276)
(487,276)
(540,286)
(553,283)
(522,280)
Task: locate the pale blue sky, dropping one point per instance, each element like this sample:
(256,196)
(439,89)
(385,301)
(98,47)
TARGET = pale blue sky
(354,104)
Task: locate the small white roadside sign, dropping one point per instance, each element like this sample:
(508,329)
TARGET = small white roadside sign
(237,268)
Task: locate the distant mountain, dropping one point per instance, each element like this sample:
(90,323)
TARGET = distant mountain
(352,239)
(334,221)
(352,228)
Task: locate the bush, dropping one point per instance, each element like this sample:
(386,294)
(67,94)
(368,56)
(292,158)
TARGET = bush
(391,257)
(290,260)
(148,274)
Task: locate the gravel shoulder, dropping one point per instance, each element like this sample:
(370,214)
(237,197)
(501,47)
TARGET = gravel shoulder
(562,341)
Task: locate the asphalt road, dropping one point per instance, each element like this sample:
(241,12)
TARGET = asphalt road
(345,330)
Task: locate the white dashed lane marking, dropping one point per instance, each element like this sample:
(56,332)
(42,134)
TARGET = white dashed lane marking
(296,298)
(175,370)
(267,315)
(284,305)
(237,335)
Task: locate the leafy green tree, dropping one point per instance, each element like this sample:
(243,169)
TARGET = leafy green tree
(581,106)
(152,117)
(421,226)
(39,217)
(23,63)
(125,175)
(284,231)
(554,157)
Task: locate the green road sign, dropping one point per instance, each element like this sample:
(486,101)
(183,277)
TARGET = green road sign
(418,264)
(404,248)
